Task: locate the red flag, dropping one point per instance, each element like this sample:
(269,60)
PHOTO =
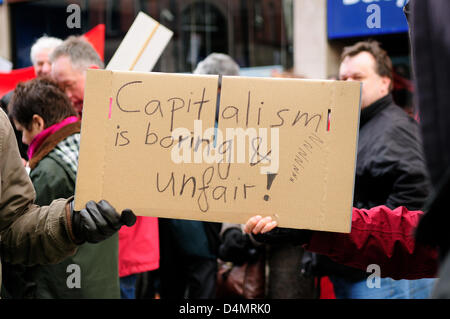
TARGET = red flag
(96,37)
(8,81)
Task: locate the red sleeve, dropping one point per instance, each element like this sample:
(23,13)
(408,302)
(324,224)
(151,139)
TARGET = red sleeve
(380,236)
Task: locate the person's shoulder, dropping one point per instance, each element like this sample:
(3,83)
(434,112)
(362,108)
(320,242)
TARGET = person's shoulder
(401,132)
(47,166)
(394,113)
(395,119)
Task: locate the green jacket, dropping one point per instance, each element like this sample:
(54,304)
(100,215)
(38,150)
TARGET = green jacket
(29,234)
(93,271)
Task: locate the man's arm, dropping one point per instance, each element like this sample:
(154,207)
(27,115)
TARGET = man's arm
(383,237)
(29,234)
(378,236)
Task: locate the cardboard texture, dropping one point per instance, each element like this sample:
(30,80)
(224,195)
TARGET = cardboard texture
(300,171)
(142,46)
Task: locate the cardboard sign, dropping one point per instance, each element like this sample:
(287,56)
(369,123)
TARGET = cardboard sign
(142,45)
(282,147)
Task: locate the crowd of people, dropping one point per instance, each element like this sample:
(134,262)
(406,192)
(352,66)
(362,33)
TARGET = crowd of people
(401,180)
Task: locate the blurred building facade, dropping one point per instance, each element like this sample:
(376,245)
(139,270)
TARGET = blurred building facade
(255,33)
(306,36)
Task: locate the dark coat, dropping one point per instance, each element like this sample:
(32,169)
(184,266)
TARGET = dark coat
(390,168)
(430,40)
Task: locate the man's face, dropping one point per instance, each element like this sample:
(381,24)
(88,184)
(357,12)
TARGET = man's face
(42,64)
(361,67)
(71,81)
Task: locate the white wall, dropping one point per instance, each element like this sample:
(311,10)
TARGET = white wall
(5,43)
(314,57)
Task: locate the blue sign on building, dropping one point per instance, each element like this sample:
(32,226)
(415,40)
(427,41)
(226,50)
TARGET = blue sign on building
(353,18)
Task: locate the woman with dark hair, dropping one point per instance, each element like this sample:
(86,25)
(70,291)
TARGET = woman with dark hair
(44,114)
(39,109)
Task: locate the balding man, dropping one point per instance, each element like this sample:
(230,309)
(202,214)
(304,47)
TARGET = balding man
(70,61)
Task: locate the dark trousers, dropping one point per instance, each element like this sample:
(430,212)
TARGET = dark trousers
(181,276)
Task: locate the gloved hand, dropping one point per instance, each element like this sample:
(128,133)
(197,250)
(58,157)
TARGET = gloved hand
(237,247)
(98,221)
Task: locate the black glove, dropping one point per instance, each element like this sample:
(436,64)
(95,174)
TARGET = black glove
(98,221)
(237,247)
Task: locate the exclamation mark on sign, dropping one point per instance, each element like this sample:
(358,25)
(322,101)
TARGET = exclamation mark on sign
(270,178)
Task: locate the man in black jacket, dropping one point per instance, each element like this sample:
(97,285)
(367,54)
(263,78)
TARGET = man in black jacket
(390,167)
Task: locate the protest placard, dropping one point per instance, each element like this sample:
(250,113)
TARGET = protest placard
(282,147)
(142,46)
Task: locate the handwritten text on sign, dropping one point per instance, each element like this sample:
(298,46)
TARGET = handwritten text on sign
(160,151)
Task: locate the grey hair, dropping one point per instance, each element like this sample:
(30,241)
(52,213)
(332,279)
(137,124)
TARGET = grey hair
(81,53)
(217,63)
(44,42)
